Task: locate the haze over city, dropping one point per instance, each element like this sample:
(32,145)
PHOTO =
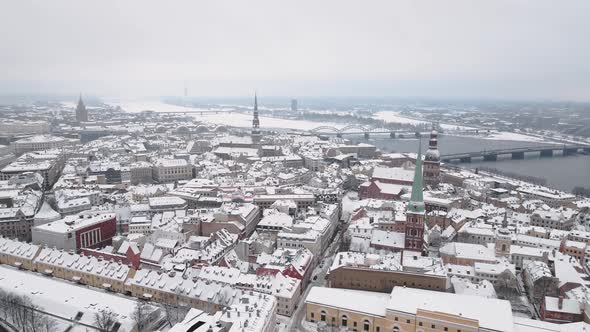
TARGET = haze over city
(440,49)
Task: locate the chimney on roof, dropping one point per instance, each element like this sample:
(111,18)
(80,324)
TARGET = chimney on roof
(560,302)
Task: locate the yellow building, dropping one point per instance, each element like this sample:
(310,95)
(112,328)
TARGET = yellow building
(174,288)
(407,310)
(87,270)
(16,253)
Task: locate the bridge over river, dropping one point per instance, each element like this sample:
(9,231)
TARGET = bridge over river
(546,150)
(393,133)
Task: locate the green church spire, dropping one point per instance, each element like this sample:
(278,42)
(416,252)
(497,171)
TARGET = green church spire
(416,204)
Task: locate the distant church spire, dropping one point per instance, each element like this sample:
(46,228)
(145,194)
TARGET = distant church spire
(81,111)
(255,101)
(255,121)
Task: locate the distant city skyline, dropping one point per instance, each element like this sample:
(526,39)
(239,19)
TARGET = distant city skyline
(508,50)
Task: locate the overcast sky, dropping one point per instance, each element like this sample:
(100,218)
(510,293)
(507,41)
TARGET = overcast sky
(491,49)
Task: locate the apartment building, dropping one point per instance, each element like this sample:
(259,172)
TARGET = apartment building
(170,170)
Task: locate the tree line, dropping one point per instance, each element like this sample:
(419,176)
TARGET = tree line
(23,314)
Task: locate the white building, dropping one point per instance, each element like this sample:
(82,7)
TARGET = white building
(482,271)
(47,163)
(169,170)
(73,206)
(519,255)
(37,143)
(550,197)
(140,225)
(551,219)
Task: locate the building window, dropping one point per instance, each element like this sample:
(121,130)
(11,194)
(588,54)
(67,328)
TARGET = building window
(446,328)
(344,321)
(408,321)
(366,325)
(433,326)
(323,316)
(419,323)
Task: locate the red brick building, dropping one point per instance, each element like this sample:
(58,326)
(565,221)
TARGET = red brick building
(560,310)
(132,256)
(299,266)
(90,229)
(382,190)
(387,183)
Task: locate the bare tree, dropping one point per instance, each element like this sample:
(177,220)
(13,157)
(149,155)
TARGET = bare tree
(175,313)
(104,320)
(47,324)
(345,240)
(140,315)
(507,285)
(23,314)
(435,239)
(4,307)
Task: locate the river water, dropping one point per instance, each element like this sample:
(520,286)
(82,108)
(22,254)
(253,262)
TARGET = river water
(560,172)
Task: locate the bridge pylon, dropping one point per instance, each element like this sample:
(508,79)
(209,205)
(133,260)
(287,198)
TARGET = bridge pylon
(490,157)
(517,155)
(546,153)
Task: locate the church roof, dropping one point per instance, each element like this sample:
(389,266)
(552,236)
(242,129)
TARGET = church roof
(46,213)
(416,204)
(80,104)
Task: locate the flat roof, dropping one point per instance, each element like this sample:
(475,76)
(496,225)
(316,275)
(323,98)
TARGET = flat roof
(76,222)
(492,314)
(372,303)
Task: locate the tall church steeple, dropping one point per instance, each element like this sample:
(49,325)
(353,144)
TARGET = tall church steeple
(432,160)
(414,237)
(503,238)
(416,204)
(256,136)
